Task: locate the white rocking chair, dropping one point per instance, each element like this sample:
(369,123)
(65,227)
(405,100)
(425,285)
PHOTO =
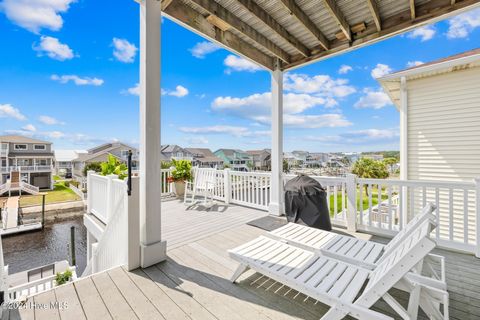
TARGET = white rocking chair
(203,185)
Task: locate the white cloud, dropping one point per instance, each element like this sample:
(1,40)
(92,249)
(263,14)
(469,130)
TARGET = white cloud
(424,33)
(197,140)
(86,81)
(414,63)
(124,51)
(8,111)
(29,127)
(344,69)
(35,15)
(49,120)
(28,132)
(180,91)
(260,104)
(373,99)
(235,63)
(54,134)
(373,134)
(320,85)
(380,70)
(219,129)
(330,120)
(134,91)
(201,49)
(462,25)
(54,49)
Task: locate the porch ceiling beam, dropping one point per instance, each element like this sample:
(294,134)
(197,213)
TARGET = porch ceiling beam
(267,19)
(412,9)
(191,19)
(431,11)
(338,16)
(302,17)
(236,23)
(372,6)
(165,4)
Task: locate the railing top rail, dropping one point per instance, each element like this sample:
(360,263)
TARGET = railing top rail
(419,183)
(242,173)
(320,178)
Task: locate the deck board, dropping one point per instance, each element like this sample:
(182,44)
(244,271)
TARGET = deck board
(193,283)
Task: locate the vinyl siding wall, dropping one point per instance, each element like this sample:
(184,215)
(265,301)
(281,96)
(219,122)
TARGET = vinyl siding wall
(444,140)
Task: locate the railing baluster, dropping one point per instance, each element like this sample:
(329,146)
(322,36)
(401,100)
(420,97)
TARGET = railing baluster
(390,218)
(360,205)
(335,197)
(424,202)
(328,197)
(344,211)
(379,201)
(400,207)
(370,196)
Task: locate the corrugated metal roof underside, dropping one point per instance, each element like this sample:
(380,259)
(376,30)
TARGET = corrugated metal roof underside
(354,11)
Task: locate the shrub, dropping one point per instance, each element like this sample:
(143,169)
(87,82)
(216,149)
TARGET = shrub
(63,277)
(66,184)
(95,166)
(114,166)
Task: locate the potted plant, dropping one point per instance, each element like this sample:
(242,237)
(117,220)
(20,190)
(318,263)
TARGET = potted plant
(182,171)
(114,166)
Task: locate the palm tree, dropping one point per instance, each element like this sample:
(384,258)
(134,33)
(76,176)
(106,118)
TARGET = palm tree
(370,169)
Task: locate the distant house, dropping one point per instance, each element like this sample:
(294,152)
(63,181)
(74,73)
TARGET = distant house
(173,151)
(64,160)
(100,154)
(238,160)
(205,158)
(261,159)
(30,159)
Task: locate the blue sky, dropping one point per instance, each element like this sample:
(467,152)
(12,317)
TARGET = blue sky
(69,76)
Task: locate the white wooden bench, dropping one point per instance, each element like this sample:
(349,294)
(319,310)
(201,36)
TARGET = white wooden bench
(338,284)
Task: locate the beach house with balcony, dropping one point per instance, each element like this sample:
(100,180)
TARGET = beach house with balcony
(261,159)
(28,160)
(236,159)
(204,158)
(100,154)
(64,161)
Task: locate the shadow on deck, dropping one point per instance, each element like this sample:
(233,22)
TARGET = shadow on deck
(193,283)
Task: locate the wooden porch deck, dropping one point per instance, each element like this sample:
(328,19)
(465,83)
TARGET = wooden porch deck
(193,282)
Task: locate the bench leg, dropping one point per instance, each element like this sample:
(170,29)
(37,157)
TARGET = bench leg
(240,270)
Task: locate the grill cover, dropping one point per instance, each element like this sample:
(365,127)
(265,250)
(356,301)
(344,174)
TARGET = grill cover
(306,203)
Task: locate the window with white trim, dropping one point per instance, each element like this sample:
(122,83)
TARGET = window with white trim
(39,147)
(20,147)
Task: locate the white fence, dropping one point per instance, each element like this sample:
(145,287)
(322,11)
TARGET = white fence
(98,191)
(78,192)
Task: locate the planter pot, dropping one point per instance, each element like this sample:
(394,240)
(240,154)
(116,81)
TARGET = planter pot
(179,188)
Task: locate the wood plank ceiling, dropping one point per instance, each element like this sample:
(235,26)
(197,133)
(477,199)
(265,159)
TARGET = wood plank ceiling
(291,33)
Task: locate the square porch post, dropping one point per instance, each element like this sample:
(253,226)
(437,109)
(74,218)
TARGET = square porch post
(276,183)
(152,248)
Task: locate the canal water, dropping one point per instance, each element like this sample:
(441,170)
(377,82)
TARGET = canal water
(25,251)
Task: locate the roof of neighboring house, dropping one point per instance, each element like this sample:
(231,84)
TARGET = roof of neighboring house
(102,149)
(21,139)
(67,155)
(258,152)
(109,146)
(170,148)
(462,61)
(206,155)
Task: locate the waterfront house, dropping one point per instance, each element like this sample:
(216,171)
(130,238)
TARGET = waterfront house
(261,159)
(236,159)
(100,154)
(205,158)
(64,161)
(31,159)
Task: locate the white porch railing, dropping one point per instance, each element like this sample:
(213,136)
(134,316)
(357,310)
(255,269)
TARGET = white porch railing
(374,206)
(167,188)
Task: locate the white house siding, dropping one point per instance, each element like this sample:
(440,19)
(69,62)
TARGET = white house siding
(444,138)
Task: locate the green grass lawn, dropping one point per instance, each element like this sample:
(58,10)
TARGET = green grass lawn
(364,199)
(57,178)
(60,193)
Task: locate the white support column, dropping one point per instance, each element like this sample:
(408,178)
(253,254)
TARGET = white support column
(153,249)
(276,183)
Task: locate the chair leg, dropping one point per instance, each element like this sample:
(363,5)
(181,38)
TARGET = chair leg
(240,270)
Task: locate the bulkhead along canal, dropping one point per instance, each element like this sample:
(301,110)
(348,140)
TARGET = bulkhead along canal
(34,249)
